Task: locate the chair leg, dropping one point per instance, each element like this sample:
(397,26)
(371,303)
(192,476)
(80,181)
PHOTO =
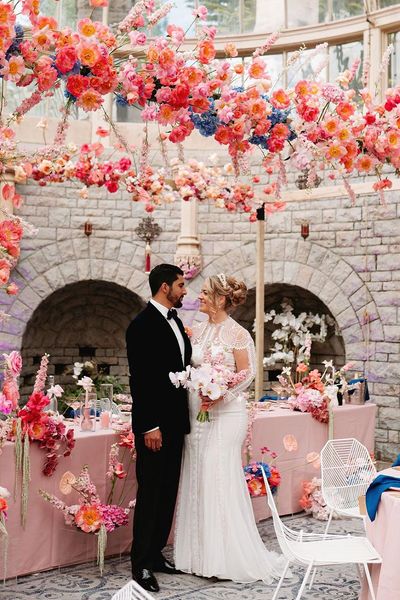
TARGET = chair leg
(329,522)
(274,597)
(371,587)
(312,578)
(303,583)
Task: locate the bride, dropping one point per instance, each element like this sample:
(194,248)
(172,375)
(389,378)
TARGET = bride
(216,535)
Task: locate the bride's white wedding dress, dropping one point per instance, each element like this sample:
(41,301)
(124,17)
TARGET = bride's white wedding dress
(215,532)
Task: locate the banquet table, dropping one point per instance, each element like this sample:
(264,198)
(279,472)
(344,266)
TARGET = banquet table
(47,542)
(383,533)
(271,426)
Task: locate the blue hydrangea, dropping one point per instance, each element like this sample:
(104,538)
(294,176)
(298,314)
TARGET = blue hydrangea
(121,100)
(19,36)
(207,123)
(259,140)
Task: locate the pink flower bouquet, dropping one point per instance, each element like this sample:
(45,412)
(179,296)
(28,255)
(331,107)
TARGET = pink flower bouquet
(211,381)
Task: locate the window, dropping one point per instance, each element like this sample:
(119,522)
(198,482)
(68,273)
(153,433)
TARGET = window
(394,64)
(341,57)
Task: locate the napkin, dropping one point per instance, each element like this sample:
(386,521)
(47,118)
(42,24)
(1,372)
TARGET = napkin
(373,495)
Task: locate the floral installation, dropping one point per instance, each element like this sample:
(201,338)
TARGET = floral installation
(31,423)
(211,381)
(322,126)
(91,515)
(191,266)
(254,476)
(312,500)
(312,391)
(294,335)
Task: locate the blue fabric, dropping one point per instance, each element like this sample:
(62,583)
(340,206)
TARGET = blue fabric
(268,398)
(397,461)
(373,496)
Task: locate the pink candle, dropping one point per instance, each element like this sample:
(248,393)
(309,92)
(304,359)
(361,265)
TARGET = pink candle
(105,420)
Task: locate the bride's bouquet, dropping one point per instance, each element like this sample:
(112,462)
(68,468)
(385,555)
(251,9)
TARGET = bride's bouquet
(211,380)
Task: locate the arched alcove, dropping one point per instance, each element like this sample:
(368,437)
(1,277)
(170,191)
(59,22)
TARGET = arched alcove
(80,321)
(303,300)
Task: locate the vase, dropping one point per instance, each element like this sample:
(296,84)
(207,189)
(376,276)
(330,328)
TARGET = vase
(87,416)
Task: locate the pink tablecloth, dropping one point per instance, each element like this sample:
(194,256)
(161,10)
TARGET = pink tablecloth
(383,533)
(271,426)
(46,541)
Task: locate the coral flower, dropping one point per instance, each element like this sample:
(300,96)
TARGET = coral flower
(206,52)
(345,110)
(90,100)
(280,99)
(86,27)
(257,68)
(393,138)
(3,505)
(5,269)
(88,518)
(365,163)
(89,55)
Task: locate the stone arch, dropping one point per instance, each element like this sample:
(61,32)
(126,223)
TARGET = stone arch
(319,270)
(50,268)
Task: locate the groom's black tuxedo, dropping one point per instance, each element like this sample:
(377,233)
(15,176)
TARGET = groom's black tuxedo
(153,352)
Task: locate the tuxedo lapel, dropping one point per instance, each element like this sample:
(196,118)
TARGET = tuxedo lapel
(188,346)
(162,325)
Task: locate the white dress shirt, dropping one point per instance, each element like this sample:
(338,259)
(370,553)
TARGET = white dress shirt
(174,326)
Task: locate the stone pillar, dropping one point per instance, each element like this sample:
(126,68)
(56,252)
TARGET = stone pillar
(188,245)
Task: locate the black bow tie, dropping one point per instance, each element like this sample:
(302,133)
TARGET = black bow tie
(172,314)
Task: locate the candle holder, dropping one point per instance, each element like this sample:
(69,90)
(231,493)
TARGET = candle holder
(147,231)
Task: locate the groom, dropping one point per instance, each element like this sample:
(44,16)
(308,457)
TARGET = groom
(156,345)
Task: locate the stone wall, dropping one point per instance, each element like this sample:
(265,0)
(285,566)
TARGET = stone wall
(350,262)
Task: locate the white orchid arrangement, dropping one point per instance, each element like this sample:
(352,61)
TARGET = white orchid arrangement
(294,335)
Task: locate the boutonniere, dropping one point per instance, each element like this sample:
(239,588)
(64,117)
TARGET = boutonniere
(188,332)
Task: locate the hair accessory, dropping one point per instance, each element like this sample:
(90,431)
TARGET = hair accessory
(222,278)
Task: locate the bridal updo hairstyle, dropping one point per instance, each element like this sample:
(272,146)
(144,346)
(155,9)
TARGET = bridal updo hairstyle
(230,288)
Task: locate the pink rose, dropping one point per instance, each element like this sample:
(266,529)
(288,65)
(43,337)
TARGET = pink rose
(14,362)
(5,268)
(12,289)
(137,38)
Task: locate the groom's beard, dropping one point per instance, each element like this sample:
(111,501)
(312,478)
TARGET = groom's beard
(176,302)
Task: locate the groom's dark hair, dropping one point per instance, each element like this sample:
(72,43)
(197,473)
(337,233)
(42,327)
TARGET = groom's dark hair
(164,273)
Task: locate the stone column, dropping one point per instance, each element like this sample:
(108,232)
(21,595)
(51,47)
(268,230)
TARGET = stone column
(188,245)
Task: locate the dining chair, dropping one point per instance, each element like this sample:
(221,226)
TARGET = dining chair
(132,591)
(346,472)
(311,550)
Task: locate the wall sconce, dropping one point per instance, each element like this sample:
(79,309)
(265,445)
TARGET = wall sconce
(305,230)
(88,228)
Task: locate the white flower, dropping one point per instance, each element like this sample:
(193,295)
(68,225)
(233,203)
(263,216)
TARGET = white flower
(4,493)
(55,391)
(77,369)
(331,391)
(212,391)
(86,383)
(328,364)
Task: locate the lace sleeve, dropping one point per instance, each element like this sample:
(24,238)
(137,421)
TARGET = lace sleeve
(243,344)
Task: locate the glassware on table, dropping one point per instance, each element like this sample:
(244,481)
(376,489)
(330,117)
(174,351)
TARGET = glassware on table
(87,416)
(105,413)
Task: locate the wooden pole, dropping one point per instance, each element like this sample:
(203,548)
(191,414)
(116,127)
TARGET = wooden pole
(259,386)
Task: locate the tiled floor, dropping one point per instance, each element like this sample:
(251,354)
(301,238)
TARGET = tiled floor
(84,582)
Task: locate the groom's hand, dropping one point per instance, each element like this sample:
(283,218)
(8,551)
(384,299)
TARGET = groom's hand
(153,440)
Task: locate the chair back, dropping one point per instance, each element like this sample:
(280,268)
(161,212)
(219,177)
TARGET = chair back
(132,591)
(346,472)
(283,533)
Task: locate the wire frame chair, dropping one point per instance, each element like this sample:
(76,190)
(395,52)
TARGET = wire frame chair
(316,549)
(346,472)
(132,591)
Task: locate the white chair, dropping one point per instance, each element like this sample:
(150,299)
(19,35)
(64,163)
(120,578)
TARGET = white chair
(317,549)
(132,591)
(346,472)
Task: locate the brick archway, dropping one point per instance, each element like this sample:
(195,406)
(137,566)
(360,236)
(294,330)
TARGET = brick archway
(56,265)
(318,270)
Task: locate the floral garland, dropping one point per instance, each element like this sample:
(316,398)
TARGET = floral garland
(4,495)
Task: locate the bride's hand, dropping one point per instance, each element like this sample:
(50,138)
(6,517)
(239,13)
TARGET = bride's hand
(207,403)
